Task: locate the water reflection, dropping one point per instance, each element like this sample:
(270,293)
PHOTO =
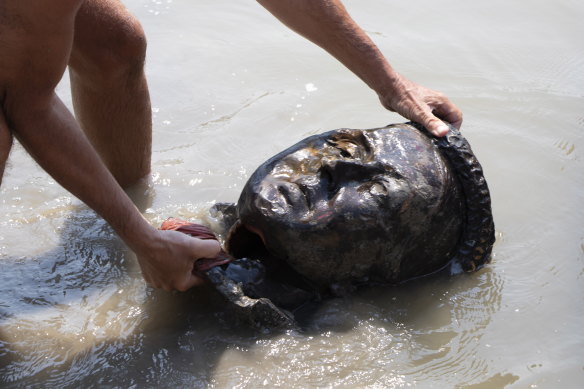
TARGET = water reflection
(59,304)
(426,330)
(80,314)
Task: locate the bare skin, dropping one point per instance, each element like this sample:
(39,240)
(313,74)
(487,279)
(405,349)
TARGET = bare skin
(108,145)
(39,38)
(327,24)
(110,93)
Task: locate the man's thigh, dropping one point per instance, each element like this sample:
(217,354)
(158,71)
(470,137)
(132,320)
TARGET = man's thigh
(35,43)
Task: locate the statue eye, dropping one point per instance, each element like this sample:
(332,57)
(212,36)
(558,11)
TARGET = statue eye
(378,189)
(345,153)
(349,150)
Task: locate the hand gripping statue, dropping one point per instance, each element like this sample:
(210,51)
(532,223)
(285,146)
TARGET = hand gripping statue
(349,207)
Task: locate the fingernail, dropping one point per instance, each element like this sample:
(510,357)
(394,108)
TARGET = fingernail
(442,129)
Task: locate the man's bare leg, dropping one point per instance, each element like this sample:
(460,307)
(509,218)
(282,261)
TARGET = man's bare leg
(110,93)
(36,38)
(5,144)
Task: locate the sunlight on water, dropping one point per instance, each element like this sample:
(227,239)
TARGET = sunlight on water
(231,87)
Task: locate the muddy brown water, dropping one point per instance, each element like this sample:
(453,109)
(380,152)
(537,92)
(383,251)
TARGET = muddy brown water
(230,87)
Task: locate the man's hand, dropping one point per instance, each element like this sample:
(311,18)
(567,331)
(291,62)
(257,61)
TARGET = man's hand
(327,23)
(419,104)
(168,260)
(36,49)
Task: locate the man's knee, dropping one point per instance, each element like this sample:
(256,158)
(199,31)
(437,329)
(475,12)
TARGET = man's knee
(109,41)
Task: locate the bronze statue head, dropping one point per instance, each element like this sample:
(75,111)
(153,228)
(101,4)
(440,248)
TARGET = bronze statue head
(382,205)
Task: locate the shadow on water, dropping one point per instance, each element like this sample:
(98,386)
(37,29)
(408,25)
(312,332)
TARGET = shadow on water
(52,304)
(81,315)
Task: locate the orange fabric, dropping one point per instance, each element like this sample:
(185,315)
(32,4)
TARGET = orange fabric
(197,231)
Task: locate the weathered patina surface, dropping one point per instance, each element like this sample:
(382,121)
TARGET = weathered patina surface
(382,205)
(349,207)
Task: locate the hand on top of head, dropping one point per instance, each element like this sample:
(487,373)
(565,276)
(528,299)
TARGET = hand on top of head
(422,105)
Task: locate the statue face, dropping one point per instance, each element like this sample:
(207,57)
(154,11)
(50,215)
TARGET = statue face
(356,204)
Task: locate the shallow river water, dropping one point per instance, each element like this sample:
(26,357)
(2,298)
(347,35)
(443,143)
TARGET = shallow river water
(230,87)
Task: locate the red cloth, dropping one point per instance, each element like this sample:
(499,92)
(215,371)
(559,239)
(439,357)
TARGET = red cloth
(201,232)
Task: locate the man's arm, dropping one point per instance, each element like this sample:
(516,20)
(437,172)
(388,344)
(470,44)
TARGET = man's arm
(36,51)
(327,24)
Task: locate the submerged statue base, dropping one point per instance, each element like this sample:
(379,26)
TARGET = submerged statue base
(349,207)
